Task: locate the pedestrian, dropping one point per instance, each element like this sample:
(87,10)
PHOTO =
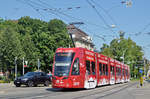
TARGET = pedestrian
(141,81)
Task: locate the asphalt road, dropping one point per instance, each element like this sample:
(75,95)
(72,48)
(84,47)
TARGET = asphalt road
(129,90)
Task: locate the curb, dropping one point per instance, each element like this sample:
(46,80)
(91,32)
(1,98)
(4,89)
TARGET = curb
(5,84)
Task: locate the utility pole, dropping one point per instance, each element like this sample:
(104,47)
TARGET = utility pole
(38,64)
(23,66)
(144,67)
(123,56)
(15,67)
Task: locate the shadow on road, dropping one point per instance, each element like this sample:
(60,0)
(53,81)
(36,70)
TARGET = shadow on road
(71,89)
(64,89)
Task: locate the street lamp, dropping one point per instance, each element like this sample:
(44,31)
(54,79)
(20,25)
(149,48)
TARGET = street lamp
(129,3)
(123,56)
(113,26)
(15,67)
(39,64)
(23,66)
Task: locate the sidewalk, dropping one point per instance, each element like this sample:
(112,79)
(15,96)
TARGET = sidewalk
(141,92)
(6,85)
(146,83)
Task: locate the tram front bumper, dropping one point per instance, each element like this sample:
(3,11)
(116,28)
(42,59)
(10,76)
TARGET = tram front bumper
(61,84)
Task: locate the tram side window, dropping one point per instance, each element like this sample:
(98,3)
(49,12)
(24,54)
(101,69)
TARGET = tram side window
(119,71)
(126,72)
(112,70)
(75,68)
(106,69)
(88,67)
(123,72)
(100,69)
(93,68)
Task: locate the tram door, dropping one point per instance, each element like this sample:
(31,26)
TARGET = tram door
(75,74)
(112,74)
(90,76)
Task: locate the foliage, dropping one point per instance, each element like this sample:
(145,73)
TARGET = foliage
(10,47)
(32,39)
(3,79)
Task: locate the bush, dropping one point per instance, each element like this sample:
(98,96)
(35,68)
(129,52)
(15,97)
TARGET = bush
(3,79)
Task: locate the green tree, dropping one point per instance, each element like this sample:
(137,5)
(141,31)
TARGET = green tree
(31,52)
(46,36)
(32,39)
(10,47)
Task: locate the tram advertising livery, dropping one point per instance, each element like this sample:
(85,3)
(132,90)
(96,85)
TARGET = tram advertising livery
(82,68)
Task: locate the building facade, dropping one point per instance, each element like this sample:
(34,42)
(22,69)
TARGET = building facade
(80,38)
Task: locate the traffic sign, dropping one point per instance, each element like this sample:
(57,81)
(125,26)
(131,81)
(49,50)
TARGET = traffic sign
(141,71)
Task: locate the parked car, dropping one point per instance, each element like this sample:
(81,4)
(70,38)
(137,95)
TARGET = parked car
(33,79)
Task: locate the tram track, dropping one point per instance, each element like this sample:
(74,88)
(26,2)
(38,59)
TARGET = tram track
(99,92)
(88,93)
(107,92)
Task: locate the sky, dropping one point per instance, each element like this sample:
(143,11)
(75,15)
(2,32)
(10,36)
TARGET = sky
(98,16)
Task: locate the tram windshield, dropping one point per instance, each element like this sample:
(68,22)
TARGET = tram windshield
(63,63)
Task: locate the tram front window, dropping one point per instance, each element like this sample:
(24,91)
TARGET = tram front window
(63,63)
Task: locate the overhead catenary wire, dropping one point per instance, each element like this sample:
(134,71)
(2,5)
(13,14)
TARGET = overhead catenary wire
(146,26)
(69,16)
(36,9)
(102,34)
(100,16)
(45,7)
(107,13)
(58,12)
(41,5)
(52,12)
(142,31)
(30,3)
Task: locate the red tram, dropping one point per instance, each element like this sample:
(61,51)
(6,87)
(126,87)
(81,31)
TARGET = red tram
(82,68)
